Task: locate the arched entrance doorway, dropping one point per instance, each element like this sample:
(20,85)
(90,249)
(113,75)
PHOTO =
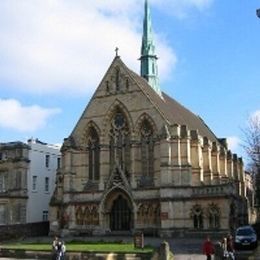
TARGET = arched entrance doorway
(118,208)
(120,214)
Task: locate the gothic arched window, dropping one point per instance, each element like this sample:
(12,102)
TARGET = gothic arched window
(214,216)
(120,143)
(197,216)
(93,149)
(147,149)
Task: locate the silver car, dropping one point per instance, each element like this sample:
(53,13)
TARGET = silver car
(245,237)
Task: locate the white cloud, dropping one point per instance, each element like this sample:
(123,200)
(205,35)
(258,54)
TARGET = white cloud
(253,122)
(62,46)
(233,143)
(13,115)
(256,115)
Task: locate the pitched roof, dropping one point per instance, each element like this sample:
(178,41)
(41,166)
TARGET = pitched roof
(172,110)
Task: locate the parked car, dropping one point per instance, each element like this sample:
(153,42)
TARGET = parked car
(245,237)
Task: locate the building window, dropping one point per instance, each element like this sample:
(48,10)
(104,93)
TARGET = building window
(47,160)
(120,143)
(93,149)
(147,149)
(197,215)
(47,182)
(2,183)
(214,216)
(18,180)
(34,183)
(58,163)
(45,215)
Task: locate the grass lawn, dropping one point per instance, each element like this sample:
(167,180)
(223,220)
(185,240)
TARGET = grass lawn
(82,247)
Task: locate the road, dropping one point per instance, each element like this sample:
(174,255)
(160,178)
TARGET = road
(190,249)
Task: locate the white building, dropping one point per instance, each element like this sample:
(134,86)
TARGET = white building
(27,180)
(44,161)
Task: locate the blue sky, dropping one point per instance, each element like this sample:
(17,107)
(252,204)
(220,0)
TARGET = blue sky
(54,53)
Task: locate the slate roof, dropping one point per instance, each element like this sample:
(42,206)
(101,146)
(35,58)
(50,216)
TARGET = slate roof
(172,110)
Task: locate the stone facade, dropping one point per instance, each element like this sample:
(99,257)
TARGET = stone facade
(27,180)
(14,165)
(140,161)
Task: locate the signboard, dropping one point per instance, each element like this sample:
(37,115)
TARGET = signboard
(164,215)
(139,240)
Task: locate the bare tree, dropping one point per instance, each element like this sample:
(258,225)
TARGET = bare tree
(252,140)
(252,148)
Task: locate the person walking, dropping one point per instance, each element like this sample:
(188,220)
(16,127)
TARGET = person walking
(55,243)
(208,248)
(63,250)
(59,255)
(230,247)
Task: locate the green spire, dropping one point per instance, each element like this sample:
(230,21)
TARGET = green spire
(149,69)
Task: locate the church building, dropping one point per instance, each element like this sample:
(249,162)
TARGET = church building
(137,160)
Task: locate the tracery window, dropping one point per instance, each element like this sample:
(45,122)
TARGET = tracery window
(147,149)
(120,143)
(94,155)
(214,216)
(197,216)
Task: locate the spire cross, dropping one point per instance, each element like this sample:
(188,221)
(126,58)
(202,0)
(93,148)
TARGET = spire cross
(116,50)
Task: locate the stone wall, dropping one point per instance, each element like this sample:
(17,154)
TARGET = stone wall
(24,230)
(22,254)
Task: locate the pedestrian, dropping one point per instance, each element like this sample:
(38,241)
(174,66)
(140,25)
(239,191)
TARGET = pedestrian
(63,250)
(59,251)
(55,243)
(208,248)
(228,248)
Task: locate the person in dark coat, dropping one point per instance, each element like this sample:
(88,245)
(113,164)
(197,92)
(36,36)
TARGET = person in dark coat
(230,247)
(208,248)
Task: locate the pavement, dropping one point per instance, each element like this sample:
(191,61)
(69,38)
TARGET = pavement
(182,248)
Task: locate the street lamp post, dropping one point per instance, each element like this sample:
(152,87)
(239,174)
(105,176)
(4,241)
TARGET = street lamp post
(258,12)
